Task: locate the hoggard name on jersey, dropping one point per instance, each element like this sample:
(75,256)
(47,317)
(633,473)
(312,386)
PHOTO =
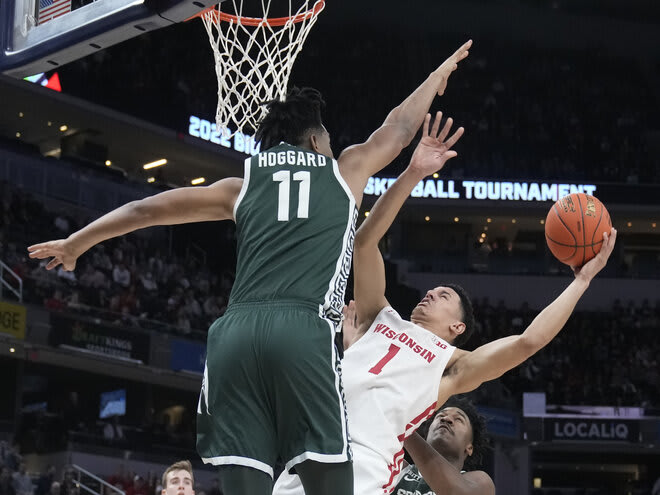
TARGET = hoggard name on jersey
(405,339)
(292,157)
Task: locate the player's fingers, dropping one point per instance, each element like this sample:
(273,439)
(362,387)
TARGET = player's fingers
(40,254)
(425,128)
(53,263)
(449,155)
(36,247)
(445,130)
(462,51)
(436,125)
(454,137)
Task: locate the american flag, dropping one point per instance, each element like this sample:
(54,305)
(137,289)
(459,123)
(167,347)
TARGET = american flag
(50,9)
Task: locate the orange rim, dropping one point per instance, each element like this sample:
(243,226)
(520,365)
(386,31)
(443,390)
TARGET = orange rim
(257,21)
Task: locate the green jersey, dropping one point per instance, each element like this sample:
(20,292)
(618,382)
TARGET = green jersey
(295,223)
(412,483)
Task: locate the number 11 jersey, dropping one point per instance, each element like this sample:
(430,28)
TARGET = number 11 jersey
(295,223)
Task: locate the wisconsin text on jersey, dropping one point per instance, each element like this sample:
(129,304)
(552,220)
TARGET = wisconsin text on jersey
(292,157)
(404,338)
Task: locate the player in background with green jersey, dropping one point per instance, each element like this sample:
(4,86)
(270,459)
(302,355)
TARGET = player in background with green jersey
(447,461)
(272,384)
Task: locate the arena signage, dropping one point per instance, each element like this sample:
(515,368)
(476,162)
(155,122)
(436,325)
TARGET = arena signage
(482,190)
(578,429)
(12,319)
(188,356)
(209,131)
(112,341)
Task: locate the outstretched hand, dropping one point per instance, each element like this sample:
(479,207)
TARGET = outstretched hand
(60,251)
(589,270)
(349,326)
(433,151)
(450,65)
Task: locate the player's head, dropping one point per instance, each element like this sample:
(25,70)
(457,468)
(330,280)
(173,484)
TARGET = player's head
(458,432)
(178,479)
(447,312)
(297,121)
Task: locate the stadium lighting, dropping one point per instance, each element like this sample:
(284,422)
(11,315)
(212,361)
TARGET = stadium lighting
(198,180)
(155,164)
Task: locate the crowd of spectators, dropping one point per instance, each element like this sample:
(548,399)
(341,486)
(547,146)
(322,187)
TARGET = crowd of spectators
(529,112)
(15,479)
(598,359)
(130,281)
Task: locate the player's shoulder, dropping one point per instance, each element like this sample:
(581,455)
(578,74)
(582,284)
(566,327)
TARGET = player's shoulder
(483,483)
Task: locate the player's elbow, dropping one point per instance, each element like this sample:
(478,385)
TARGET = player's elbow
(144,210)
(528,345)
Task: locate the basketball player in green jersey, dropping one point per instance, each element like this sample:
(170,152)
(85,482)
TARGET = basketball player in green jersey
(446,462)
(272,386)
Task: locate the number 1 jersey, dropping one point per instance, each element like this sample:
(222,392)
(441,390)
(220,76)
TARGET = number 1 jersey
(391,377)
(295,222)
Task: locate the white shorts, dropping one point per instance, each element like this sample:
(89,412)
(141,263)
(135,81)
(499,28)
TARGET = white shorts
(371,476)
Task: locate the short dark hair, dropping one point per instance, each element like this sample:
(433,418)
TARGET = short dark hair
(184,465)
(292,119)
(468,314)
(480,437)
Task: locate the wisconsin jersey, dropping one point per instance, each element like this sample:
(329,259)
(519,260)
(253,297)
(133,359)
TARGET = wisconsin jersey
(391,377)
(295,218)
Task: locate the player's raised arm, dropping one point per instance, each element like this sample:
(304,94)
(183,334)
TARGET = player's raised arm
(184,205)
(492,360)
(358,163)
(431,154)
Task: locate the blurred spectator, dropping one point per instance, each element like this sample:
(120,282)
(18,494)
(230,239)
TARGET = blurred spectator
(45,481)
(113,431)
(55,488)
(121,275)
(22,481)
(6,485)
(69,486)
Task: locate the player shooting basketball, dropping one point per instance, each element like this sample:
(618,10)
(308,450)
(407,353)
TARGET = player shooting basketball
(272,387)
(396,372)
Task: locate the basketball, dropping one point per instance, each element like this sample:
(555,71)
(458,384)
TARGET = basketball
(574,228)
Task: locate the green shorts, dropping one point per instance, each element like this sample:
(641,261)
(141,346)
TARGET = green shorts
(272,389)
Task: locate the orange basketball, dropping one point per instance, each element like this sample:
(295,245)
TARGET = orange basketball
(574,228)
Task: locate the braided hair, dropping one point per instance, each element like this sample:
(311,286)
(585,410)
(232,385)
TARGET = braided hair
(292,119)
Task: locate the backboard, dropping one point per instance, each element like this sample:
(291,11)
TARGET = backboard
(41,35)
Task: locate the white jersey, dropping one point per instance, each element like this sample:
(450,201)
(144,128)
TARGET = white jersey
(391,377)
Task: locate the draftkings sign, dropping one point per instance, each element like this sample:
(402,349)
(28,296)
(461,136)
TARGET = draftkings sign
(103,339)
(593,430)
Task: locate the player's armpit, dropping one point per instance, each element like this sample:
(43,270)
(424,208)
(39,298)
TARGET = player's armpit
(486,363)
(359,162)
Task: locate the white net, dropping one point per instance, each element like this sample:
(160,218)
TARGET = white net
(254,58)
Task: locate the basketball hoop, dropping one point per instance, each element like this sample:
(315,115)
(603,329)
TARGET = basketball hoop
(254,57)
